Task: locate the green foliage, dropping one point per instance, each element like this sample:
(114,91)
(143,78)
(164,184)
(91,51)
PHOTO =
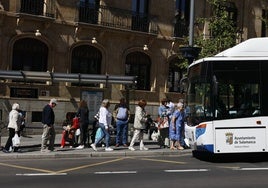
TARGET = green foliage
(182,64)
(264,18)
(222,30)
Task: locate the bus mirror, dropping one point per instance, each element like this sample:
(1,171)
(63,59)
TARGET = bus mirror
(183,84)
(215,86)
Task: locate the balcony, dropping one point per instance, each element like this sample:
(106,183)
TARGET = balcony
(86,13)
(38,7)
(116,18)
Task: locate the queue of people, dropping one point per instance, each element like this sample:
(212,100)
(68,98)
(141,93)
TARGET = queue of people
(170,125)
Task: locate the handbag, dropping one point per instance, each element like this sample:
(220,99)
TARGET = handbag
(16,140)
(163,123)
(77,132)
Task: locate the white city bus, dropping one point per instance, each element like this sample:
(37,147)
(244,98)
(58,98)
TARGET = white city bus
(227,100)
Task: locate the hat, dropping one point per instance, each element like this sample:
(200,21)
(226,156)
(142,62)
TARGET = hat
(53,101)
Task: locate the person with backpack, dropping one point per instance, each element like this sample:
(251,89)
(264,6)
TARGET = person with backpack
(121,116)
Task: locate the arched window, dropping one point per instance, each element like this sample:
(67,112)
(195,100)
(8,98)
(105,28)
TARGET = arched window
(86,59)
(176,72)
(30,55)
(139,64)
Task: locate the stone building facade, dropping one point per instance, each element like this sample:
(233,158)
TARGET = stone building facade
(100,37)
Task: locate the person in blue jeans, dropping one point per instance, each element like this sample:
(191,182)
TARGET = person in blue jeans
(121,116)
(105,120)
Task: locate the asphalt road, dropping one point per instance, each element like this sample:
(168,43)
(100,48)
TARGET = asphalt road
(131,172)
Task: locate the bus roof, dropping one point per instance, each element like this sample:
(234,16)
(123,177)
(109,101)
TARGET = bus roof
(251,49)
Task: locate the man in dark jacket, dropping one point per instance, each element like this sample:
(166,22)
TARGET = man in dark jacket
(48,118)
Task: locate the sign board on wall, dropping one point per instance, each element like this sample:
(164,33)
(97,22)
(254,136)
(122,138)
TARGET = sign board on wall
(94,99)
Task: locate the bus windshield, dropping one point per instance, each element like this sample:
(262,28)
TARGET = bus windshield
(223,90)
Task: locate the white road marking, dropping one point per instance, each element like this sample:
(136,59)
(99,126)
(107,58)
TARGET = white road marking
(117,172)
(250,169)
(188,170)
(42,174)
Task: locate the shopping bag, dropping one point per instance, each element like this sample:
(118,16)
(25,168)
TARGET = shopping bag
(99,134)
(16,140)
(77,132)
(155,135)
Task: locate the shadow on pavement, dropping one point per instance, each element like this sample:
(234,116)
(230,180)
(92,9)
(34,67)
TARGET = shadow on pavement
(230,158)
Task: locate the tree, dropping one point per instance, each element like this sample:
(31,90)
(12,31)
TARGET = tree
(222,28)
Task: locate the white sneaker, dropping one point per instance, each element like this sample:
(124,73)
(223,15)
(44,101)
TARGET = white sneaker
(109,149)
(93,147)
(80,147)
(144,148)
(45,151)
(131,148)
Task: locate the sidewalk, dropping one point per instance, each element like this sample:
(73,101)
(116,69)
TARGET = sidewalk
(30,146)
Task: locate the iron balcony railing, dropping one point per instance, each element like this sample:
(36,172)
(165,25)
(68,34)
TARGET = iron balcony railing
(96,14)
(38,7)
(117,18)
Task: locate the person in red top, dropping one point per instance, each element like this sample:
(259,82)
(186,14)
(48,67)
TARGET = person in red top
(70,125)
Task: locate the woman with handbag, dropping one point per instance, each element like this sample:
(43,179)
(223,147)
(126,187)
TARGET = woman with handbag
(12,127)
(139,125)
(164,113)
(105,120)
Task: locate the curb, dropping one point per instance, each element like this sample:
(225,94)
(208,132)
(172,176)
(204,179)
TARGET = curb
(34,153)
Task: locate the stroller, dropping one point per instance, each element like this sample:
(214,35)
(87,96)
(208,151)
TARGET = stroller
(68,135)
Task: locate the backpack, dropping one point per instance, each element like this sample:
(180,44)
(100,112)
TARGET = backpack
(122,113)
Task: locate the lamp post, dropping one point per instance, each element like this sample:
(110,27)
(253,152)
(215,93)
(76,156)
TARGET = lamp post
(190,52)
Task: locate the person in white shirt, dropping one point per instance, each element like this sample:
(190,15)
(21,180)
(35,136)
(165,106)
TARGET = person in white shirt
(105,120)
(12,126)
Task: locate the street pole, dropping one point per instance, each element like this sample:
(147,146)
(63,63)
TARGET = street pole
(190,52)
(191,26)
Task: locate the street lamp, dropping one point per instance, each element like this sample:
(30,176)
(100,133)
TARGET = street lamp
(37,33)
(190,52)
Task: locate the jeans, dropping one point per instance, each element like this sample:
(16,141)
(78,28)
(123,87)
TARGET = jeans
(107,135)
(121,131)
